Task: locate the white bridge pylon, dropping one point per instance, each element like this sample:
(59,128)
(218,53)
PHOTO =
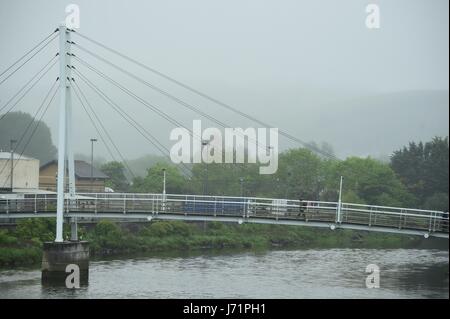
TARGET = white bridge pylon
(65,134)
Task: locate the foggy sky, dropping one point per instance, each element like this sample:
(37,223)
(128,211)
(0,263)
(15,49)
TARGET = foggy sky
(309,67)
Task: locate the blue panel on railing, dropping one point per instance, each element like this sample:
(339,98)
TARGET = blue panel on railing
(226,205)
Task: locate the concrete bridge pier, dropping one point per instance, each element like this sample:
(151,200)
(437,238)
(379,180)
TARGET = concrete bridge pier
(73,229)
(65,264)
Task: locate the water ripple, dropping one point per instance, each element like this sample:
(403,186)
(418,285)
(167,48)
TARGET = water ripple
(322,273)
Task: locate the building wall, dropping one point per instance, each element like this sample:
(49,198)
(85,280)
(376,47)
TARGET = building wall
(47,178)
(26,173)
(47,181)
(85,186)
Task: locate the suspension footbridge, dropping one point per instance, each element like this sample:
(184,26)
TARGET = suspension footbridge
(332,215)
(75,77)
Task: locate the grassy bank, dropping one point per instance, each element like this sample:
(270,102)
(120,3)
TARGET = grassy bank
(22,245)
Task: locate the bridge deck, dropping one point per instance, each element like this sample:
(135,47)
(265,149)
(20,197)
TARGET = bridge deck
(234,209)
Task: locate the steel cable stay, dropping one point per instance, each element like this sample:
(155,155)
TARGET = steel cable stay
(30,123)
(116,84)
(136,125)
(109,101)
(33,132)
(191,107)
(26,61)
(28,82)
(287,135)
(101,74)
(23,95)
(81,94)
(140,100)
(93,122)
(29,51)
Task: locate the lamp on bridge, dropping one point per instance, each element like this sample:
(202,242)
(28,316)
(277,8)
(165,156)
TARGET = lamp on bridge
(92,163)
(11,145)
(164,181)
(205,181)
(164,190)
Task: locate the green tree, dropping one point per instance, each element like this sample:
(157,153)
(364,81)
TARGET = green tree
(438,201)
(117,179)
(423,168)
(38,229)
(370,181)
(226,179)
(300,174)
(14,125)
(140,165)
(176,183)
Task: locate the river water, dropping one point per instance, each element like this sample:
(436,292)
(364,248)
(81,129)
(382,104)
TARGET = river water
(327,273)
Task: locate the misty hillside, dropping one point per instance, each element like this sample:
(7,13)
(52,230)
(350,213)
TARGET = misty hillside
(373,125)
(379,124)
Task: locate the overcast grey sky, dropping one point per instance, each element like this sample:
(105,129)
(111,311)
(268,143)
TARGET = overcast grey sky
(310,67)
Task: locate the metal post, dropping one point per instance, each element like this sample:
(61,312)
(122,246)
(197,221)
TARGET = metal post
(164,190)
(73,229)
(339,202)
(92,163)
(206,185)
(64,88)
(11,143)
(164,182)
(205,181)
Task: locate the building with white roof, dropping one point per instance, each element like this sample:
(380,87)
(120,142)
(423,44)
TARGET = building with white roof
(25,172)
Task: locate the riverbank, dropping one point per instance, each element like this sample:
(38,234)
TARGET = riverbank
(23,245)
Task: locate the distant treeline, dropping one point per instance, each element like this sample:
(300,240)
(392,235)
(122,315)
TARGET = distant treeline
(416,176)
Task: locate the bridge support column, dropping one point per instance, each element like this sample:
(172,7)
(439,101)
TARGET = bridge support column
(339,207)
(73,229)
(65,263)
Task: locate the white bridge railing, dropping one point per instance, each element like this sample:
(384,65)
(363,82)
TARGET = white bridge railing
(127,204)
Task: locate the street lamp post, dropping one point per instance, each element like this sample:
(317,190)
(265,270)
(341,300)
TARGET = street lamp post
(205,182)
(164,190)
(278,187)
(339,202)
(11,144)
(164,182)
(92,163)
